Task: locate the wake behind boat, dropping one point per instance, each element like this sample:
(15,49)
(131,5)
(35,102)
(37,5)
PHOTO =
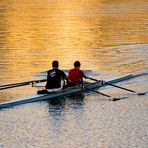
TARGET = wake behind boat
(62,93)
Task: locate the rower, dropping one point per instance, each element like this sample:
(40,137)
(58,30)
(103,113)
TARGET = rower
(55,79)
(76,75)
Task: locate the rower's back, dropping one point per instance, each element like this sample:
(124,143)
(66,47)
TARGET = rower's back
(54,76)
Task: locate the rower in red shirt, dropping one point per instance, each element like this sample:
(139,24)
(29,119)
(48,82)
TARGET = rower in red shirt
(76,75)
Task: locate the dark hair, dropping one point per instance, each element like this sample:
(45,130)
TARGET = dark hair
(55,64)
(77,64)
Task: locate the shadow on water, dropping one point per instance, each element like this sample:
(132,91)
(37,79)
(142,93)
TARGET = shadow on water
(75,101)
(58,105)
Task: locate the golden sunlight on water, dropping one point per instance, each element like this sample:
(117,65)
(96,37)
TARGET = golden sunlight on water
(102,35)
(108,37)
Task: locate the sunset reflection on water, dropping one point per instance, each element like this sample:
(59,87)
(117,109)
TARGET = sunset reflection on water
(33,33)
(109,38)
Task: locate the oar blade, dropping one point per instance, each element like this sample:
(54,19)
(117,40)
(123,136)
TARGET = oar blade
(115,99)
(119,98)
(141,94)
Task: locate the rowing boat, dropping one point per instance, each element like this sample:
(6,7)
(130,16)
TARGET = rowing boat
(62,93)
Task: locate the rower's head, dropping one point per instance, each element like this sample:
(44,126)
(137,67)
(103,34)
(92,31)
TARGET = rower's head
(77,64)
(55,64)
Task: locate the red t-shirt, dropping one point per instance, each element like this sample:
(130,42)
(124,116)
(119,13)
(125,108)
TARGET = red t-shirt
(75,76)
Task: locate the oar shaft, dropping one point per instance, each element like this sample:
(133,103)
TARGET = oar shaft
(12,86)
(98,92)
(111,98)
(120,87)
(7,85)
(113,85)
(93,79)
(21,84)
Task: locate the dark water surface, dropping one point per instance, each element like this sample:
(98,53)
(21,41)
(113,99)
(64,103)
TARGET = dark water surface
(108,37)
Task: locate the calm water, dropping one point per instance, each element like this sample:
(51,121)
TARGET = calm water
(108,37)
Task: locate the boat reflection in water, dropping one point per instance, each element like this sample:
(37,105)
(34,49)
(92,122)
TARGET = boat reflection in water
(75,101)
(58,105)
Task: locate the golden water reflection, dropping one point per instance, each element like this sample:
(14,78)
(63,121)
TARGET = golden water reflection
(33,33)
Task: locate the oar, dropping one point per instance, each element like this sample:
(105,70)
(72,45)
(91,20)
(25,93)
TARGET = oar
(137,93)
(111,98)
(12,86)
(21,84)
